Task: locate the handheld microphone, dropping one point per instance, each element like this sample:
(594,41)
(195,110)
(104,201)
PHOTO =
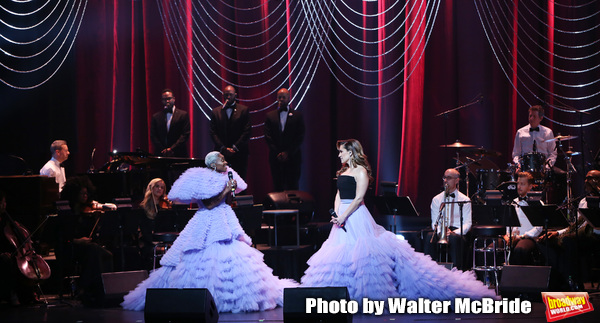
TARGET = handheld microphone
(230,174)
(92,169)
(342,225)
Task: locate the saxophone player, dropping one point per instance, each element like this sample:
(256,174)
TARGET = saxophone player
(444,206)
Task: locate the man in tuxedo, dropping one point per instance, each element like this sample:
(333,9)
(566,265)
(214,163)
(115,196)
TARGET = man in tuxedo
(532,138)
(53,168)
(170,128)
(230,130)
(448,204)
(284,133)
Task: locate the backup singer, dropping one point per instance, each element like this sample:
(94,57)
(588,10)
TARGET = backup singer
(213,251)
(370,261)
(170,128)
(453,226)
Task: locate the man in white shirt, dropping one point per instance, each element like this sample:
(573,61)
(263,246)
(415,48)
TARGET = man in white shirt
(532,138)
(444,205)
(60,153)
(523,237)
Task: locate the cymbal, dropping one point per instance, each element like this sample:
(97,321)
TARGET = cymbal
(561,138)
(572,153)
(457,144)
(483,152)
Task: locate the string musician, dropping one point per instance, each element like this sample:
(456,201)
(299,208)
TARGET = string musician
(568,247)
(75,245)
(155,199)
(452,224)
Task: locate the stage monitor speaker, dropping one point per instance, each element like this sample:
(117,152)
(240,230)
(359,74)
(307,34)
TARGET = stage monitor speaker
(294,304)
(524,281)
(118,284)
(180,305)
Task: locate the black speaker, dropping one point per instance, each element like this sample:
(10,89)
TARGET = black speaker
(294,304)
(118,284)
(180,305)
(524,281)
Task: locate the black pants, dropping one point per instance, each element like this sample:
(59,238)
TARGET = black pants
(455,252)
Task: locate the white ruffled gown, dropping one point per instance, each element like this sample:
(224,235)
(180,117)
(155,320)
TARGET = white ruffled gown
(213,252)
(373,263)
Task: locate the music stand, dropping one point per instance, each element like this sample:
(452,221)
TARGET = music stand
(547,216)
(504,215)
(395,205)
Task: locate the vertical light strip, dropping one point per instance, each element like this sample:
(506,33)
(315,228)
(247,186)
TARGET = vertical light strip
(190,69)
(551,57)
(132,77)
(412,113)
(289,42)
(515,41)
(380,50)
(114,72)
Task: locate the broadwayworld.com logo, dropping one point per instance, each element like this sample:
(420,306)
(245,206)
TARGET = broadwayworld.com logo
(562,305)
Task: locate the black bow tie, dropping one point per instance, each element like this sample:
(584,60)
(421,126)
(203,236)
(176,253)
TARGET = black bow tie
(534,129)
(169,110)
(284,109)
(451,195)
(522,198)
(229,106)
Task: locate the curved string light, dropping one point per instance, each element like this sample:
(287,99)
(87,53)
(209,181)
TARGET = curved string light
(215,36)
(568,68)
(28,60)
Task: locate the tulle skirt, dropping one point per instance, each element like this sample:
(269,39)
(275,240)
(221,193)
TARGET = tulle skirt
(231,270)
(372,263)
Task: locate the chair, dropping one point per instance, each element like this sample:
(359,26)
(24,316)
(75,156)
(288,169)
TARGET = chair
(489,242)
(162,242)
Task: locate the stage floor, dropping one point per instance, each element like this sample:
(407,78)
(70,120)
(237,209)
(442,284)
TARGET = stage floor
(73,311)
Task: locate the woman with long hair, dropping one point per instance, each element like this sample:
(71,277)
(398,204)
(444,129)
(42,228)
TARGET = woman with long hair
(369,260)
(155,198)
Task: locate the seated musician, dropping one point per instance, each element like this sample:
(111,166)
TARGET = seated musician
(76,245)
(14,287)
(524,237)
(155,199)
(532,138)
(452,212)
(568,247)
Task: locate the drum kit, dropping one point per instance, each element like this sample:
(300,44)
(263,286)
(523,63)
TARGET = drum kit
(477,165)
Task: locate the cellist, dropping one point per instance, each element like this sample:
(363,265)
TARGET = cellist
(14,287)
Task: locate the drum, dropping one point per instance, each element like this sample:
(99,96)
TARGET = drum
(533,162)
(489,179)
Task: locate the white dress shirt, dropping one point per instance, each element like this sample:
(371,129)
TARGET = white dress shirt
(524,143)
(454,211)
(582,205)
(53,169)
(526,229)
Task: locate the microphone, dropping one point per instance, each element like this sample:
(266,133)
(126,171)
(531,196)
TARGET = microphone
(230,174)
(342,225)
(534,147)
(446,192)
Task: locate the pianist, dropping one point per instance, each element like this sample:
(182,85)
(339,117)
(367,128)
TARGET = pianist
(60,153)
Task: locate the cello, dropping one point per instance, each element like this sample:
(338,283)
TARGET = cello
(30,264)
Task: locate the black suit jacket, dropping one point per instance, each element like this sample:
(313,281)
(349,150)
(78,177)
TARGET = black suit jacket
(176,138)
(288,140)
(233,131)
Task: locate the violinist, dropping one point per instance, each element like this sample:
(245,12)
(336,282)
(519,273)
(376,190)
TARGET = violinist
(155,199)
(14,287)
(75,239)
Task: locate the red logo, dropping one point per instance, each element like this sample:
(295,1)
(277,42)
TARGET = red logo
(562,305)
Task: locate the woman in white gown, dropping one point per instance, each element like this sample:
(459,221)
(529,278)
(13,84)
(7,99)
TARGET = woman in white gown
(370,260)
(213,251)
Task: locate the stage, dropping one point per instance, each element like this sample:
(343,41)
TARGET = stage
(72,311)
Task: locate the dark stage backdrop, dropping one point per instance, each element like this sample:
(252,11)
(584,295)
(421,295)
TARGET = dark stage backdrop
(109,86)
